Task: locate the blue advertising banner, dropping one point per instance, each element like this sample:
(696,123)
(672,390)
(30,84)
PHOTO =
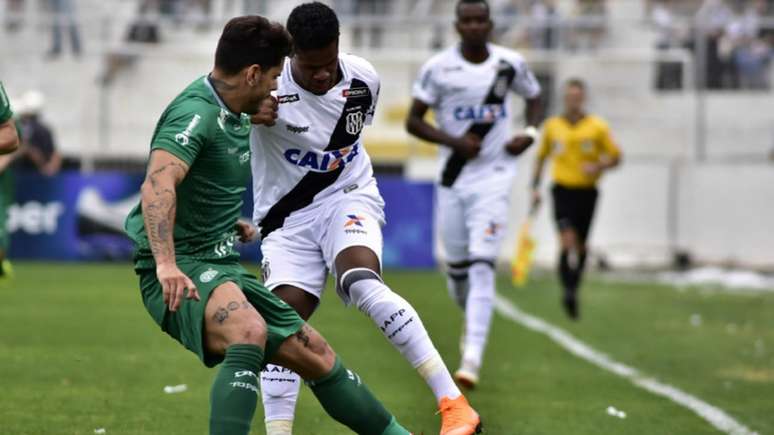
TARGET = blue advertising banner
(74,216)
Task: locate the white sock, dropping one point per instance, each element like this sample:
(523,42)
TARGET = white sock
(279,427)
(458,284)
(437,376)
(279,390)
(401,324)
(478,312)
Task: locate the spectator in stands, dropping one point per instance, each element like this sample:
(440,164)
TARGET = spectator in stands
(670,36)
(13,15)
(589,24)
(39,149)
(750,54)
(143,29)
(370,8)
(711,20)
(542,33)
(248,6)
(64,18)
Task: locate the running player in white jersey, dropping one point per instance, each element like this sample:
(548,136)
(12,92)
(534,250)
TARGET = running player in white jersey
(469,87)
(319,210)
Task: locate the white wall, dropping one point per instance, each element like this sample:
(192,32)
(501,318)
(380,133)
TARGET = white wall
(724,214)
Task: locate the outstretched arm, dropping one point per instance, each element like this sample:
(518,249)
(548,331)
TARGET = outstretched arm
(159,200)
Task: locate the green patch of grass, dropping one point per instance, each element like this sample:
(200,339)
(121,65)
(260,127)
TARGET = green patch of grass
(79,352)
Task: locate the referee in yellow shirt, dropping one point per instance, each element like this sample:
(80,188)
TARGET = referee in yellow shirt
(582,149)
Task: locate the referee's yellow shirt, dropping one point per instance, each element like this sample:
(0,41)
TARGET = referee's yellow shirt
(570,146)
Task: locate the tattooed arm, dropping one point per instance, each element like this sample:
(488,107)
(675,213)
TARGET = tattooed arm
(159,199)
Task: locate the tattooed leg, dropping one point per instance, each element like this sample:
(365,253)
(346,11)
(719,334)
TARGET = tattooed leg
(231,319)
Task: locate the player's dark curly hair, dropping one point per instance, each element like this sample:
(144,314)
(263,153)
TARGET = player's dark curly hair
(471,2)
(251,40)
(313,26)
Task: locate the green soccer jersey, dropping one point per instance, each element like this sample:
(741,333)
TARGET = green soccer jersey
(5,106)
(215,143)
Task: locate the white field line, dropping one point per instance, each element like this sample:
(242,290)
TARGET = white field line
(713,415)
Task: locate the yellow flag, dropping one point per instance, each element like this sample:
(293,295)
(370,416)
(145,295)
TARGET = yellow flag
(522,258)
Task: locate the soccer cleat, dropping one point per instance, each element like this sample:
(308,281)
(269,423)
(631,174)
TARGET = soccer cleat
(6,271)
(458,417)
(467,376)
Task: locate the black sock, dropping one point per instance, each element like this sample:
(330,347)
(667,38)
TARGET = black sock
(577,273)
(565,271)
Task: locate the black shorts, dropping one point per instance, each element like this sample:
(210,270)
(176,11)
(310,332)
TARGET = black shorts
(574,208)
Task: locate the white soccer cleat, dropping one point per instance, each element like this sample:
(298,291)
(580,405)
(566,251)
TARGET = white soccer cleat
(467,376)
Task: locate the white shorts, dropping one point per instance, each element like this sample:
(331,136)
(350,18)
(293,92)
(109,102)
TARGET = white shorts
(301,255)
(471,222)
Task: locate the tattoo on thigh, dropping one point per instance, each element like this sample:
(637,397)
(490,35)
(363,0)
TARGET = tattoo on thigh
(303,335)
(221,314)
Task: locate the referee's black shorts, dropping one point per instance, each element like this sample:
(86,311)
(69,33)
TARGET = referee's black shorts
(574,208)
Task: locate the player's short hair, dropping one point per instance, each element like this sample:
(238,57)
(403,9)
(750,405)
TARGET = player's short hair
(313,26)
(575,83)
(251,40)
(471,2)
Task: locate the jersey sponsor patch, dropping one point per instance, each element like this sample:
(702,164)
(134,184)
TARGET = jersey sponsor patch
(487,113)
(354,220)
(184,137)
(322,161)
(354,225)
(492,231)
(290,98)
(356,92)
(296,128)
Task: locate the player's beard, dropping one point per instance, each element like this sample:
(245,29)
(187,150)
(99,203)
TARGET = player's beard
(254,105)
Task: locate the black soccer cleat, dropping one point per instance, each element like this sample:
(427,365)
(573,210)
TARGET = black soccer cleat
(570,304)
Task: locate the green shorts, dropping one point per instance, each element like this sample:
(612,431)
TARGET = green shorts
(187,324)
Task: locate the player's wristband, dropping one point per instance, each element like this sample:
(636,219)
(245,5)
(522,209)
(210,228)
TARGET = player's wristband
(532,132)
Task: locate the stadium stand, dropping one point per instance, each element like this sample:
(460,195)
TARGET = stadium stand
(685,140)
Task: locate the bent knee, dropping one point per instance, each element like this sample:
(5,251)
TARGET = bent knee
(240,326)
(249,332)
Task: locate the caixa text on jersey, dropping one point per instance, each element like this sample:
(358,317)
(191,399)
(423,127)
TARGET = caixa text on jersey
(322,162)
(480,113)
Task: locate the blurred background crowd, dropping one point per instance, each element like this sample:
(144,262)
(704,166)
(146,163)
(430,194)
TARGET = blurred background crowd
(685,84)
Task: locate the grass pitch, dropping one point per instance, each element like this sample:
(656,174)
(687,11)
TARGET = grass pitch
(78,352)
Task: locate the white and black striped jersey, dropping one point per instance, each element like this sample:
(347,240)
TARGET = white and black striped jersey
(315,149)
(468,97)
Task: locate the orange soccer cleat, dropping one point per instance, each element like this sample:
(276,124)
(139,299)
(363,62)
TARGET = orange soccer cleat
(458,417)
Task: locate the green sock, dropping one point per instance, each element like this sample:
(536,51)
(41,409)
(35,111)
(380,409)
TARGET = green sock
(235,391)
(395,429)
(348,401)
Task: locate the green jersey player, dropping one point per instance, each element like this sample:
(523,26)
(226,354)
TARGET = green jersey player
(9,139)
(184,232)
(9,142)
